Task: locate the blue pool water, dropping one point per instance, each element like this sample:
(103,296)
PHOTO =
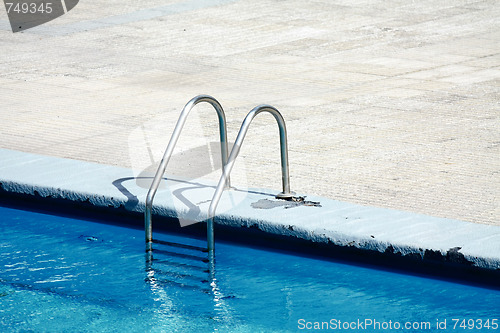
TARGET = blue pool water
(59,274)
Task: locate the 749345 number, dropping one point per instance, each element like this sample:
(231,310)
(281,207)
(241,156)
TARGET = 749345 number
(29,7)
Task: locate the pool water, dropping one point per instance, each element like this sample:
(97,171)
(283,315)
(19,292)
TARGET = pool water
(59,274)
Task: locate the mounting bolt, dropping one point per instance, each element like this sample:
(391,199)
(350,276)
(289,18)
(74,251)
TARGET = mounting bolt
(285,196)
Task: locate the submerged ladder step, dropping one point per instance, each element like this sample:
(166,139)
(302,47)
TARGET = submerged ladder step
(182,246)
(179,275)
(177,284)
(181,255)
(179,265)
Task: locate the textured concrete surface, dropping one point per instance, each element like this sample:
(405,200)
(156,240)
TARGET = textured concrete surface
(408,235)
(388,103)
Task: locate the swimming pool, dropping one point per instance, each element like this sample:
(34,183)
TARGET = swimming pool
(60,274)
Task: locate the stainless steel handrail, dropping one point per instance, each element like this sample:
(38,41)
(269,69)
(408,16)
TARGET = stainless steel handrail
(286,194)
(168,153)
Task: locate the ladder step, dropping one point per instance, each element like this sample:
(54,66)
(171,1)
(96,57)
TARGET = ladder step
(181,255)
(180,265)
(177,284)
(182,246)
(180,275)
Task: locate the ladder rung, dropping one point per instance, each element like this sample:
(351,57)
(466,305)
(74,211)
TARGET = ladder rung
(178,264)
(179,275)
(182,246)
(178,284)
(181,255)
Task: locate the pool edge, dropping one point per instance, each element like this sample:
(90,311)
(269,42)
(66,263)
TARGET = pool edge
(399,236)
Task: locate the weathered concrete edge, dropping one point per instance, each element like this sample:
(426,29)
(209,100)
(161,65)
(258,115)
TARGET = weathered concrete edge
(385,231)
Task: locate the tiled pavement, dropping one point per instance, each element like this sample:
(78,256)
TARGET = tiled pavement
(388,103)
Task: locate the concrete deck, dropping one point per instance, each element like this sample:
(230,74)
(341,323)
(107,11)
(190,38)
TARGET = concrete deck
(392,104)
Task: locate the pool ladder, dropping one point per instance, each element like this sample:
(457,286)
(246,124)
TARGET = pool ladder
(227,164)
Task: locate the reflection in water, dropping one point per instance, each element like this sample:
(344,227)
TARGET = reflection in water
(177,270)
(162,314)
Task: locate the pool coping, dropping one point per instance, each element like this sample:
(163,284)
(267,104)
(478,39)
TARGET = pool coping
(328,222)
